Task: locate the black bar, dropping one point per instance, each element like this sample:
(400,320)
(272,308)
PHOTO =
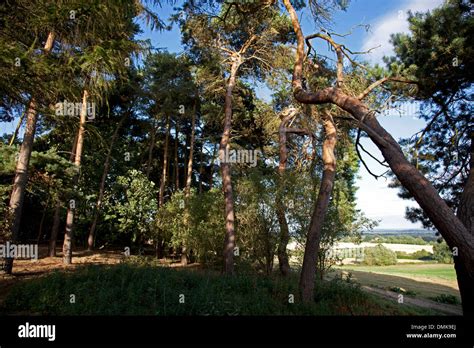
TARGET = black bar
(289,331)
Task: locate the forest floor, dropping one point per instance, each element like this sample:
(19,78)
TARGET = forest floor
(24,270)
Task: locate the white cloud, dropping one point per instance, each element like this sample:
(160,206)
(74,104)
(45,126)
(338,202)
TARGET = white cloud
(393,22)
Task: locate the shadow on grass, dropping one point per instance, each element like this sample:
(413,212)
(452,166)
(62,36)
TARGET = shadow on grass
(142,289)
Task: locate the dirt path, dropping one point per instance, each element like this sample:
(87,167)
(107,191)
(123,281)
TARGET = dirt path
(24,270)
(424,303)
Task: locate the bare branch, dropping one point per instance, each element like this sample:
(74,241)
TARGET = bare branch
(363,162)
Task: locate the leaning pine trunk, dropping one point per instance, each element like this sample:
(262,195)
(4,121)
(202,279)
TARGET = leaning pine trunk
(98,205)
(457,235)
(229,243)
(21,171)
(308,271)
(466,215)
(68,236)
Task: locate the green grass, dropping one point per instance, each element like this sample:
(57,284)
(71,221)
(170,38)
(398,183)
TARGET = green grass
(421,280)
(431,270)
(133,289)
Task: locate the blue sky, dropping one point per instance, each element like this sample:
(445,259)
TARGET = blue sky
(384,17)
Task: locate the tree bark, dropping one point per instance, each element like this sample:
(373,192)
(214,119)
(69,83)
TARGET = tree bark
(201,168)
(98,205)
(308,271)
(466,215)
(165,164)
(150,150)
(43,216)
(21,171)
(184,252)
(56,219)
(54,230)
(283,262)
(442,217)
(176,159)
(189,175)
(17,129)
(69,233)
(229,243)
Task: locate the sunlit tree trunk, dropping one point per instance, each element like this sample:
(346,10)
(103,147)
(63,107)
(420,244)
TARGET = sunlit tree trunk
(184,251)
(69,234)
(21,171)
(189,175)
(308,271)
(456,234)
(229,243)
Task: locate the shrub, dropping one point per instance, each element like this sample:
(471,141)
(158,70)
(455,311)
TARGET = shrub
(379,256)
(449,299)
(417,255)
(441,253)
(422,255)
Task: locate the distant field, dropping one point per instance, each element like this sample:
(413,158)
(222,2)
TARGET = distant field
(424,280)
(431,270)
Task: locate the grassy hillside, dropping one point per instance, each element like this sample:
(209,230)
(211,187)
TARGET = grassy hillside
(421,280)
(134,289)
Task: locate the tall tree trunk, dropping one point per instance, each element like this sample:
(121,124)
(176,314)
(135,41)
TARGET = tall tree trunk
(224,146)
(43,216)
(184,251)
(189,175)
(18,126)
(165,164)
(56,219)
(211,170)
(308,271)
(55,229)
(443,218)
(466,215)
(150,149)
(21,171)
(176,159)
(283,262)
(69,234)
(98,205)
(201,168)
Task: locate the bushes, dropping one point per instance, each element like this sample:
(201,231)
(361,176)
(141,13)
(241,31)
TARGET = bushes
(379,256)
(441,253)
(417,255)
(448,299)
